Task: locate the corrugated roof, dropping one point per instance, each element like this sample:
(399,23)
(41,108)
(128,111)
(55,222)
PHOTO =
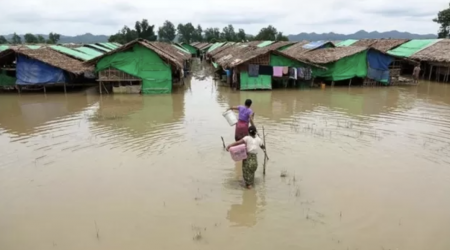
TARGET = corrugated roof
(108,45)
(89,51)
(316,44)
(77,54)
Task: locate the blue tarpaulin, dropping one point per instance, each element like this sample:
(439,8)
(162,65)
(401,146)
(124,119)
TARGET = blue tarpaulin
(378,75)
(314,45)
(378,60)
(30,72)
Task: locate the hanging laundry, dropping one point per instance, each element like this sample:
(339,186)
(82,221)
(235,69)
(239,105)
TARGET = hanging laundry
(301,73)
(253,70)
(285,70)
(265,70)
(308,74)
(278,71)
(293,73)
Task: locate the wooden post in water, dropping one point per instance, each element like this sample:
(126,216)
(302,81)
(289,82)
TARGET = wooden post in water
(45,90)
(332,83)
(265,152)
(65,90)
(223,142)
(431,70)
(100,87)
(350,83)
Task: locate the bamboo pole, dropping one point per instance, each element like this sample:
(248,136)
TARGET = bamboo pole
(223,142)
(350,83)
(65,90)
(265,152)
(431,70)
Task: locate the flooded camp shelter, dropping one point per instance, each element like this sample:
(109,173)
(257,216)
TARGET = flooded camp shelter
(435,60)
(43,66)
(147,67)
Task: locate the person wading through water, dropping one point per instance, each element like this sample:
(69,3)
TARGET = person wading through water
(416,73)
(249,165)
(246,116)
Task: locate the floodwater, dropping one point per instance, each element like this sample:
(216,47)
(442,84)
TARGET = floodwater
(366,168)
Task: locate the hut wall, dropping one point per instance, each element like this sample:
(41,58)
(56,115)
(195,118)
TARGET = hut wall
(144,63)
(345,68)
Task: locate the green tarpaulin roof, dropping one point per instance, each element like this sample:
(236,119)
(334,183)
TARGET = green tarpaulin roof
(4,47)
(89,51)
(346,43)
(412,47)
(181,48)
(215,65)
(33,46)
(100,47)
(215,46)
(71,52)
(108,45)
(264,44)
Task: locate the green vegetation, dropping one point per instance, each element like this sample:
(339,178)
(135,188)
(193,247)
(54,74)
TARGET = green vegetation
(443,18)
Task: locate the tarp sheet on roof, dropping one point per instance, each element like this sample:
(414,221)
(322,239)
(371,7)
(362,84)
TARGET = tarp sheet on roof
(215,46)
(278,60)
(412,47)
(33,46)
(31,72)
(215,65)
(260,82)
(190,49)
(100,47)
(314,45)
(181,49)
(345,68)
(6,80)
(109,45)
(346,43)
(89,51)
(4,47)
(144,63)
(71,52)
(378,60)
(264,44)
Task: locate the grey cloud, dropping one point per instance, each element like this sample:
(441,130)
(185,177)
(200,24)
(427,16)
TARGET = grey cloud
(339,21)
(405,12)
(124,7)
(240,17)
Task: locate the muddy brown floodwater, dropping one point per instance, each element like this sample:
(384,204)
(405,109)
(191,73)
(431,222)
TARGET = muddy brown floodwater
(367,168)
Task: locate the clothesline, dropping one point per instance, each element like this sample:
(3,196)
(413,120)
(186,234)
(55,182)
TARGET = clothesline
(280,71)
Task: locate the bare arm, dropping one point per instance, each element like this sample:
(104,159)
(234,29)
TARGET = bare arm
(251,119)
(241,141)
(233,108)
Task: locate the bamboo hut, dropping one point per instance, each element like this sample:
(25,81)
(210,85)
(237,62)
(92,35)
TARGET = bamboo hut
(43,67)
(140,66)
(435,61)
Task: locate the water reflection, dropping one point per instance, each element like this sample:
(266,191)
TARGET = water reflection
(244,214)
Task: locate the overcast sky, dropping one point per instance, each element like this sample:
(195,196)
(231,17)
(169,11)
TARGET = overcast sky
(289,16)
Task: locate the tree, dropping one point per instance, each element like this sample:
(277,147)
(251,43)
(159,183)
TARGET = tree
(241,36)
(16,39)
(40,39)
(53,38)
(125,35)
(3,40)
(228,33)
(212,35)
(145,31)
(281,37)
(30,38)
(443,18)
(167,32)
(198,34)
(186,32)
(269,34)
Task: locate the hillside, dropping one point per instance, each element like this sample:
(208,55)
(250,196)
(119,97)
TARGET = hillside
(358,35)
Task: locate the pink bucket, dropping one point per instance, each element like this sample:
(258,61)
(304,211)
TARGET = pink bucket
(239,152)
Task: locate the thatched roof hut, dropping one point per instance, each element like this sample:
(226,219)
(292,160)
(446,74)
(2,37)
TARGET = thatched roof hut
(296,50)
(329,55)
(166,51)
(382,45)
(438,52)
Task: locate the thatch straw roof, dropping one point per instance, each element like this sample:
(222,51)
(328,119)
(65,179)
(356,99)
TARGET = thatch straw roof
(382,45)
(195,43)
(165,50)
(231,54)
(296,50)
(56,59)
(277,45)
(438,52)
(329,55)
(220,49)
